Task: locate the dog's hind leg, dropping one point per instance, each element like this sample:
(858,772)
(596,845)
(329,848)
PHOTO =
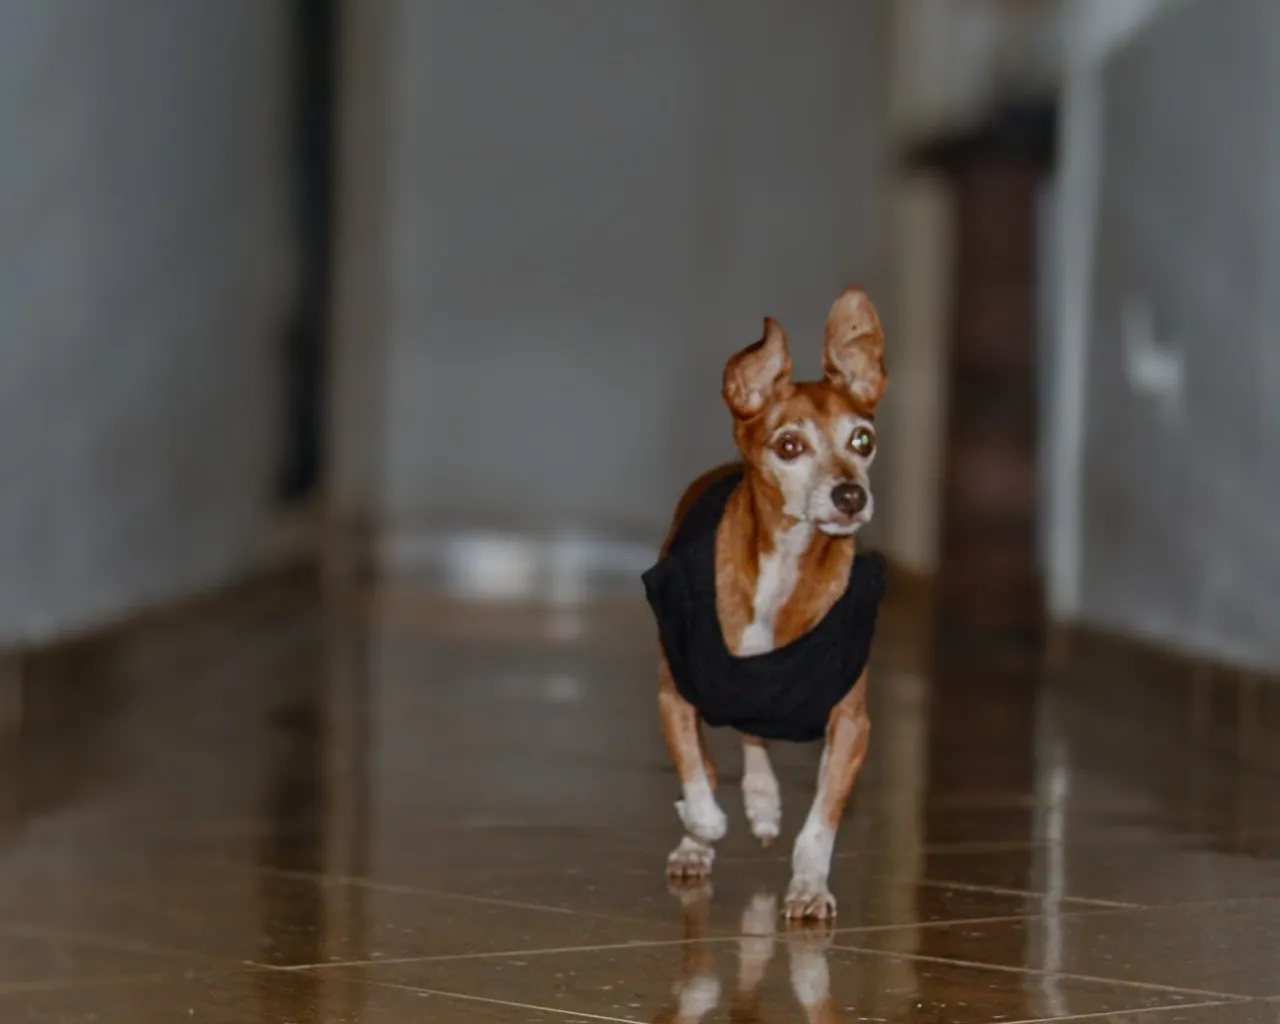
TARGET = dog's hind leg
(761,796)
(704,822)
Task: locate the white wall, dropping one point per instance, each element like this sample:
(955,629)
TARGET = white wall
(949,61)
(588,208)
(1093,30)
(142,233)
(1170,497)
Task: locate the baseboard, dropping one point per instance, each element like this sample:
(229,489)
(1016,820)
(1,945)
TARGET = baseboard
(564,568)
(1076,639)
(1230,707)
(286,572)
(291,536)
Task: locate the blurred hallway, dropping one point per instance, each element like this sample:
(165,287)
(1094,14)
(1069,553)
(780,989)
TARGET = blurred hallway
(353,354)
(275,780)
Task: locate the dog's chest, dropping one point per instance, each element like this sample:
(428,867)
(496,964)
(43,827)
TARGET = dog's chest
(779,573)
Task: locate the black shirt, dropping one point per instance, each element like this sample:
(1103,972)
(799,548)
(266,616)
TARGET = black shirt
(784,694)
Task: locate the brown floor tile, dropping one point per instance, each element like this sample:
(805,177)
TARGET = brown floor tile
(867,898)
(1149,874)
(403,852)
(30,959)
(1228,949)
(948,826)
(253,996)
(484,807)
(287,921)
(646,984)
(1229,1013)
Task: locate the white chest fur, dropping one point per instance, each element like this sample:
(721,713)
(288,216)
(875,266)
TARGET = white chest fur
(778,572)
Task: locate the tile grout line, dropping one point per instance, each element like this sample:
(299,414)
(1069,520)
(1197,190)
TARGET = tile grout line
(412,890)
(1027,894)
(1084,904)
(870,929)
(1229,901)
(120,944)
(1112,1014)
(440,993)
(499,954)
(939,883)
(396,888)
(718,938)
(93,981)
(1039,972)
(725,940)
(215,961)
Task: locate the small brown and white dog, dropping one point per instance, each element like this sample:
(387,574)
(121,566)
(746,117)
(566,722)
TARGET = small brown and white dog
(784,556)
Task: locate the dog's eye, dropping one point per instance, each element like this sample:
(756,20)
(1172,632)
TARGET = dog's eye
(789,447)
(863,441)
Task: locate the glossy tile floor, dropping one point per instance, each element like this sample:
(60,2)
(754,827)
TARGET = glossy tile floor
(392,808)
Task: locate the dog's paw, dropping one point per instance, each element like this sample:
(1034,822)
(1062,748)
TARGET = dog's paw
(703,819)
(691,861)
(763,803)
(808,899)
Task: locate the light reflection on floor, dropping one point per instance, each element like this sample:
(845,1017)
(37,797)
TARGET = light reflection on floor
(406,806)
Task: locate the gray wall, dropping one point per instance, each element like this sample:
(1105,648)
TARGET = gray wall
(591,205)
(1180,532)
(143,281)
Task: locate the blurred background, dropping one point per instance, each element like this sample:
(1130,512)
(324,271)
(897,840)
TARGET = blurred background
(428,275)
(422,305)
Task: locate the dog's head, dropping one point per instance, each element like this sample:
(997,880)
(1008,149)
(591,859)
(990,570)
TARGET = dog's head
(810,445)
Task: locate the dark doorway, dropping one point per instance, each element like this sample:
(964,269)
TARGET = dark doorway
(315,71)
(988,575)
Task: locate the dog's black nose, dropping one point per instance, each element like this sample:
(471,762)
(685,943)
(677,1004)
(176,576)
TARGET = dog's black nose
(849,499)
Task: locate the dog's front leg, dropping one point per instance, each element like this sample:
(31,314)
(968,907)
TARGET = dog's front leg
(703,820)
(848,734)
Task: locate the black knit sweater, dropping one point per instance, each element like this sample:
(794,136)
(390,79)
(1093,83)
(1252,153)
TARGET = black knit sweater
(784,694)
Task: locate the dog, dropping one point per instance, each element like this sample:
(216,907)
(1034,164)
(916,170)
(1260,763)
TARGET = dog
(765,610)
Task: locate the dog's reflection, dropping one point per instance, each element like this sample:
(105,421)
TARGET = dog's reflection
(698,990)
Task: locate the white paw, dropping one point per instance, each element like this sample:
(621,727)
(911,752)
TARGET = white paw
(763,804)
(690,860)
(808,899)
(702,818)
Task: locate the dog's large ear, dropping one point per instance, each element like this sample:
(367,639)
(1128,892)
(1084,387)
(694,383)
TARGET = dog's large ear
(759,373)
(853,349)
